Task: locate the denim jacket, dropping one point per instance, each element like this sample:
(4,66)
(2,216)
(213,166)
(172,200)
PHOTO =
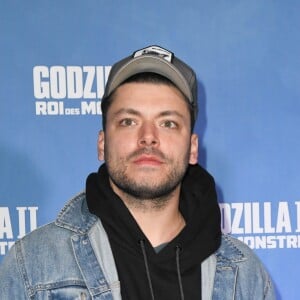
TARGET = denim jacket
(71,258)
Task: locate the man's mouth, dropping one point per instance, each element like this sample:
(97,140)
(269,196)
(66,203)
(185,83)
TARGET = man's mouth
(148,160)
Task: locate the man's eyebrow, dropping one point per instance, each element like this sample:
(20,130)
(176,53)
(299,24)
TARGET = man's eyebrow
(171,113)
(129,111)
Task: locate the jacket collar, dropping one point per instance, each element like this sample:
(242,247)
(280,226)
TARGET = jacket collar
(230,252)
(75,215)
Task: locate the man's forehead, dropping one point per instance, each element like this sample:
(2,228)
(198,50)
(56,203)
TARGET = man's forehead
(160,96)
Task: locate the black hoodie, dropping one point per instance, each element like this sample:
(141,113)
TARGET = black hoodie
(174,272)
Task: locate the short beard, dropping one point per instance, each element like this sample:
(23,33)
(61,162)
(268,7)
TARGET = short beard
(140,194)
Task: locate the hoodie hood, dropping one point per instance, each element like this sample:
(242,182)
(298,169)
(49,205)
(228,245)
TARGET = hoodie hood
(175,270)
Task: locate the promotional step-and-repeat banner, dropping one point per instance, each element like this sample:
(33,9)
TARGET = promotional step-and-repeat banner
(55,59)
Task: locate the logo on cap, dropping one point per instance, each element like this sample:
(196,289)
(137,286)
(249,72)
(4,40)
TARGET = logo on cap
(155,50)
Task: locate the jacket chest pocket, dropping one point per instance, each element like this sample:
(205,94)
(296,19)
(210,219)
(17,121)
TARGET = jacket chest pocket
(69,293)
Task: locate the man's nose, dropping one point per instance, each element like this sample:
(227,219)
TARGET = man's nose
(148,135)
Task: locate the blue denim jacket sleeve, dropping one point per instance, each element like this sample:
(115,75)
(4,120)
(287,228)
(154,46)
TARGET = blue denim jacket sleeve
(236,273)
(11,283)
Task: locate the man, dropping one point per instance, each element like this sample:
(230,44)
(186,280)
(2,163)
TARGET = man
(148,224)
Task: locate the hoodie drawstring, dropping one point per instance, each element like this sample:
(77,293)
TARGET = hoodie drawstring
(178,250)
(142,244)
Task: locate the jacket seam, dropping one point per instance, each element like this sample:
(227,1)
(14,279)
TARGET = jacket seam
(59,284)
(21,266)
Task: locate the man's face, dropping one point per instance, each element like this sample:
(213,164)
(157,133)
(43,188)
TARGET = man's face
(147,144)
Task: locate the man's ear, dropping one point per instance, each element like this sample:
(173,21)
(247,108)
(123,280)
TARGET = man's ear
(100,145)
(194,149)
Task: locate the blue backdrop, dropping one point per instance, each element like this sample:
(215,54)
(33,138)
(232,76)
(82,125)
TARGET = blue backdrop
(55,57)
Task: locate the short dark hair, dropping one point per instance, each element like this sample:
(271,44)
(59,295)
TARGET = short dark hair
(143,78)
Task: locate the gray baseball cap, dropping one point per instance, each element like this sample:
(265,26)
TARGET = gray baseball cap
(155,59)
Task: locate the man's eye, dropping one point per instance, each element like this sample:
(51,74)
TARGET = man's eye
(127,122)
(169,124)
